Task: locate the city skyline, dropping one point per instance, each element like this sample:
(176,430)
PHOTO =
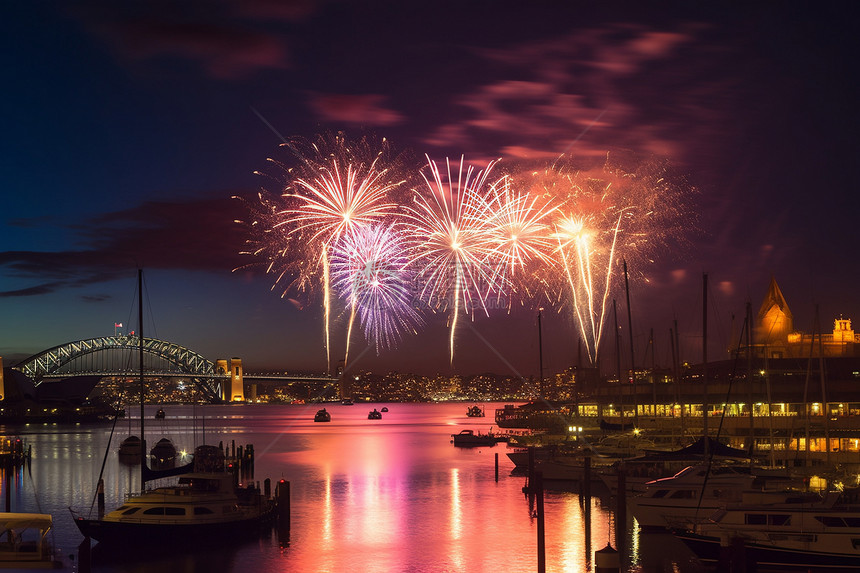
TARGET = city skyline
(131,129)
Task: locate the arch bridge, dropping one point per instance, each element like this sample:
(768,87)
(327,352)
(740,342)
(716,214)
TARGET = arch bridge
(120,356)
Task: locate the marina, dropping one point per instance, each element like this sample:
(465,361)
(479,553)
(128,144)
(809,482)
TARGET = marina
(385,495)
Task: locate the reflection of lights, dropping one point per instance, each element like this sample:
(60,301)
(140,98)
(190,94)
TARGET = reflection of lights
(456,510)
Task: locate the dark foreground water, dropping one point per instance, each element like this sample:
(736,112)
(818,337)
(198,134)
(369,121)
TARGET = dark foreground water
(390,495)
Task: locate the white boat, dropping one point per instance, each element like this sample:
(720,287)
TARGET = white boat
(24,541)
(690,495)
(785,532)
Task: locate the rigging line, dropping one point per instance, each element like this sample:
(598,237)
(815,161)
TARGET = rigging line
(104,461)
(720,426)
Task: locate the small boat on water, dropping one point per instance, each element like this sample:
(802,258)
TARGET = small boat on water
(130,449)
(163,454)
(384,409)
(322,416)
(374,415)
(160,414)
(475,412)
(347,402)
(469,439)
(24,541)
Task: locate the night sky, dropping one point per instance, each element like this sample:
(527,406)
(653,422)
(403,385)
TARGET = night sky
(129,127)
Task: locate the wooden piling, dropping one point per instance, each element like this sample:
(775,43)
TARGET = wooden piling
(621,509)
(283,495)
(101,497)
(497,466)
(541,532)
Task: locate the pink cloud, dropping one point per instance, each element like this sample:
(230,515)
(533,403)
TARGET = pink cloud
(224,52)
(365,109)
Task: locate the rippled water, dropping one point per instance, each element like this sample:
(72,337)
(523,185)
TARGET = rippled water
(390,495)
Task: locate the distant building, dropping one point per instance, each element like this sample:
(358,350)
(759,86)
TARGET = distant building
(774,335)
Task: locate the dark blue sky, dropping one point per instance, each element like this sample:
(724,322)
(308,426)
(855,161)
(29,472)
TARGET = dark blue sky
(127,128)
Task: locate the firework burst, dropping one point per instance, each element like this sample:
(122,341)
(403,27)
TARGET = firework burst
(369,271)
(335,188)
(603,214)
(456,254)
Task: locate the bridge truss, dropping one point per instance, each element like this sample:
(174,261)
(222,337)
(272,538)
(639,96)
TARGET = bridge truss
(120,355)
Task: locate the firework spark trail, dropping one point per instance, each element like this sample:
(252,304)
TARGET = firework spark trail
(602,212)
(519,228)
(456,254)
(553,233)
(369,268)
(335,188)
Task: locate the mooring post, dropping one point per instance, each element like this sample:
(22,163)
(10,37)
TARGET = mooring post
(541,532)
(621,509)
(101,497)
(497,466)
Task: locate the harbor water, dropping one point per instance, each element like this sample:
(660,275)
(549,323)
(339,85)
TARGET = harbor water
(389,495)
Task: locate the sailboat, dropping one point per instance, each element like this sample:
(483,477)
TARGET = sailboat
(205,505)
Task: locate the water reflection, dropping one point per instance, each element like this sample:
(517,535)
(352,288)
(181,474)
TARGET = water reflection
(379,495)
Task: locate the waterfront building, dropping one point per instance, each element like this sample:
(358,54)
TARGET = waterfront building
(789,397)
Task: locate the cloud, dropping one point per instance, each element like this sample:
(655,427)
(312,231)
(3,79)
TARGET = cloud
(227,41)
(195,235)
(615,86)
(363,109)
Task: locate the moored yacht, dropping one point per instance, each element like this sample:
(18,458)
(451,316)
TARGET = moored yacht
(202,506)
(787,531)
(693,493)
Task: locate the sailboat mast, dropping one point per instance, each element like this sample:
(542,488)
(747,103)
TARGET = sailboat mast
(632,359)
(705,406)
(142,391)
(540,357)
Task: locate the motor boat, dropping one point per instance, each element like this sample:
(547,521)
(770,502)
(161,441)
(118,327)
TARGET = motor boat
(691,494)
(374,415)
(24,541)
(788,531)
(469,439)
(160,414)
(322,416)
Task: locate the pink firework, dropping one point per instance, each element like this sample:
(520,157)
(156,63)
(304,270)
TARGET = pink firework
(335,188)
(369,271)
(455,258)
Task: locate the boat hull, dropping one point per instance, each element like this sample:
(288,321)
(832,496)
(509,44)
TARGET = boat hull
(710,551)
(126,533)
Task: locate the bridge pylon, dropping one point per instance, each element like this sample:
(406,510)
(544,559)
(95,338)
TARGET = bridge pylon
(233,388)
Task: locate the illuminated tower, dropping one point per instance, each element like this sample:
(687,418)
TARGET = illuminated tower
(237,381)
(775,321)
